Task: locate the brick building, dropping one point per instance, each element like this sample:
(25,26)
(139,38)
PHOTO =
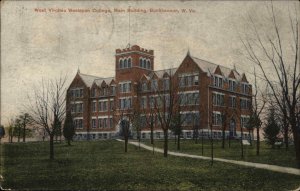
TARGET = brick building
(207,96)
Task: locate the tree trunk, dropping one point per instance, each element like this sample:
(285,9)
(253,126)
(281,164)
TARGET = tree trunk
(178,142)
(126,143)
(69,142)
(242,145)
(223,137)
(175,139)
(24,133)
(250,139)
(19,134)
(165,143)
(151,135)
(51,147)
(286,135)
(202,147)
(257,141)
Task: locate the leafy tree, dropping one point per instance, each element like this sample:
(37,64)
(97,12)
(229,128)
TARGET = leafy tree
(69,130)
(272,128)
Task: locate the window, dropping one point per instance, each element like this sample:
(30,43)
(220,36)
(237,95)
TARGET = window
(73,108)
(78,123)
(196,80)
(105,106)
(244,88)
(126,63)
(78,92)
(94,123)
(102,106)
(111,123)
(141,62)
(166,83)
(217,118)
(154,85)
(129,62)
(218,99)
(94,106)
(125,103)
(189,119)
(144,86)
(148,64)
(93,94)
(144,63)
(111,105)
(144,102)
(244,103)
(218,82)
(189,98)
(121,63)
(100,124)
(79,108)
(125,87)
(232,101)
(244,120)
(105,122)
(232,85)
(152,102)
(113,90)
(187,80)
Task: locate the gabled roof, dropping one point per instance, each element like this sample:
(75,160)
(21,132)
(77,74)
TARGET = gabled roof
(106,80)
(210,67)
(88,79)
(170,72)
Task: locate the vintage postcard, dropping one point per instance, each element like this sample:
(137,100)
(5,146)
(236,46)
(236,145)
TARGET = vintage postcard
(150,95)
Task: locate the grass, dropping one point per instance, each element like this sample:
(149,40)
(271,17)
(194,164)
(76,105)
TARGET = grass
(267,155)
(103,165)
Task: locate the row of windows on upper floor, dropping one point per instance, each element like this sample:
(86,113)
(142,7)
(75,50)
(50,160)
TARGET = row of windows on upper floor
(127,63)
(219,100)
(184,81)
(232,85)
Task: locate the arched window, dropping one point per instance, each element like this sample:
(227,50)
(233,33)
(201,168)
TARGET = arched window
(129,62)
(148,64)
(125,63)
(141,62)
(144,63)
(121,63)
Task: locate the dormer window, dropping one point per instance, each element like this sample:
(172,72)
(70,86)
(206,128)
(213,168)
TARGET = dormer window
(232,85)
(144,86)
(93,94)
(218,81)
(245,88)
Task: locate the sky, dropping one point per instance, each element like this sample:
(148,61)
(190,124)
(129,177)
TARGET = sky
(48,43)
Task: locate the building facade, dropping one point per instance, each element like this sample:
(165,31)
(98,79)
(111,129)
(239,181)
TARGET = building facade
(208,98)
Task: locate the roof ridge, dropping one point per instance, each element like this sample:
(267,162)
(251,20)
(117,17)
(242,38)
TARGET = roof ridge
(89,75)
(211,62)
(165,69)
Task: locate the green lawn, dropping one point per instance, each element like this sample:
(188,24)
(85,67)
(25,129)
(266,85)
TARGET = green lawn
(267,155)
(104,165)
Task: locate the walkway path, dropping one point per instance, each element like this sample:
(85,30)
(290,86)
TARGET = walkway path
(276,168)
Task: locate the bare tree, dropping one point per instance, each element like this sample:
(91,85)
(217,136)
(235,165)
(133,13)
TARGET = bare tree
(258,104)
(47,107)
(267,50)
